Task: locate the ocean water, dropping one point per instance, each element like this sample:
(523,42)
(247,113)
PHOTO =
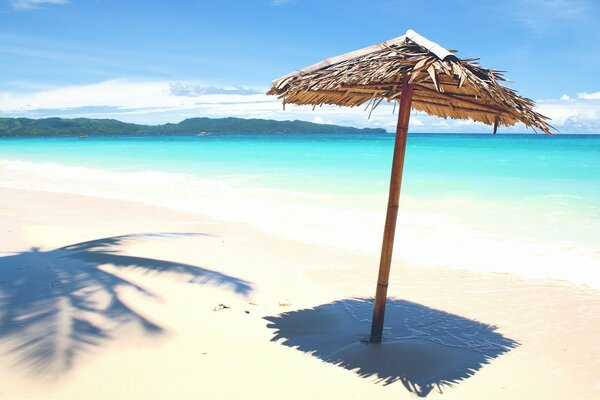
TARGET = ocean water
(525,204)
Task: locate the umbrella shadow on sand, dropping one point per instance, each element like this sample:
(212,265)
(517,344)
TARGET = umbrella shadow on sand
(57,304)
(422,347)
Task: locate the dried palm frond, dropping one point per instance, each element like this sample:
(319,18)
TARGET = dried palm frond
(444,85)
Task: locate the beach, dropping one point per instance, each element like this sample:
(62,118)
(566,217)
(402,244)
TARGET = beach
(197,348)
(153,283)
(290,200)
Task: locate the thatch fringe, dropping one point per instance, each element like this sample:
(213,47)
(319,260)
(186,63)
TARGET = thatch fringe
(445,87)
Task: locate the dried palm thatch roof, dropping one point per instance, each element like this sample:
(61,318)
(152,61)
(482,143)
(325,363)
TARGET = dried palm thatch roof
(444,85)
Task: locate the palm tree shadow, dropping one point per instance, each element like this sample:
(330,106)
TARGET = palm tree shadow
(423,348)
(57,304)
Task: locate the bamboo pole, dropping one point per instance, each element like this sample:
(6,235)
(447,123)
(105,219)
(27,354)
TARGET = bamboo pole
(392,211)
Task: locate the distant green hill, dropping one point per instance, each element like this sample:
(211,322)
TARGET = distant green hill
(11,127)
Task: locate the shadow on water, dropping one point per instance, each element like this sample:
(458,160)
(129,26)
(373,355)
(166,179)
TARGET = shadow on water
(57,304)
(423,348)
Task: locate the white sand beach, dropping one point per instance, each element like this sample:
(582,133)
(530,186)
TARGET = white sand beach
(106,298)
(290,200)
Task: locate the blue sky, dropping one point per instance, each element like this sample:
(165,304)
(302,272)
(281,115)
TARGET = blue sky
(162,61)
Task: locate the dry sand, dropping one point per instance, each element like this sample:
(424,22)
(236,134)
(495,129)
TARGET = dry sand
(113,299)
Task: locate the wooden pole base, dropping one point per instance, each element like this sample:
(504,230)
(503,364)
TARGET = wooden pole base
(389,231)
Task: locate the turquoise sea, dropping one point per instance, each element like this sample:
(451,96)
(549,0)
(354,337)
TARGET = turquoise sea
(437,164)
(524,189)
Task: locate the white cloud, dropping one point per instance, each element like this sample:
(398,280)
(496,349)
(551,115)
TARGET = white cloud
(155,102)
(416,121)
(565,97)
(34,4)
(581,115)
(123,94)
(589,96)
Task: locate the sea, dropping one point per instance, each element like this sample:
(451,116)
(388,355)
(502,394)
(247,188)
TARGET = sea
(522,204)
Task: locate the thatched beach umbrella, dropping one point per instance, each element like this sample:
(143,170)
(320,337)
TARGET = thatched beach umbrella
(418,74)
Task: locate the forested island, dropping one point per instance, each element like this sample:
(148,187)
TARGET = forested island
(14,127)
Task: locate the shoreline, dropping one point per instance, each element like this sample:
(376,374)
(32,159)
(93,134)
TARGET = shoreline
(459,233)
(278,281)
(215,222)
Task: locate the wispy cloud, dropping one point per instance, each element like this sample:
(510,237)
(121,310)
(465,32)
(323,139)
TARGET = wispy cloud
(34,4)
(126,94)
(195,90)
(154,102)
(540,15)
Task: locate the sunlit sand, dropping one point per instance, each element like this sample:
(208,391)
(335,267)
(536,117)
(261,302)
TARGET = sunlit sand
(112,299)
